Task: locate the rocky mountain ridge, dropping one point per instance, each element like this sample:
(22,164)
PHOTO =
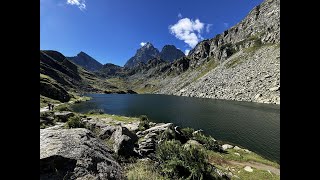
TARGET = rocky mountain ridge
(84,60)
(240,64)
(148,52)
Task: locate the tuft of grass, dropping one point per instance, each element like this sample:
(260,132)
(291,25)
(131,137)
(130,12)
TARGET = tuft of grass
(114,117)
(257,174)
(143,170)
(144,123)
(244,157)
(78,99)
(233,63)
(202,70)
(178,162)
(43,126)
(187,132)
(96,111)
(109,142)
(62,107)
(74,122)
(208,142)
(208,66)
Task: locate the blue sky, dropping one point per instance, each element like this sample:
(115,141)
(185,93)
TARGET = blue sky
(112,30)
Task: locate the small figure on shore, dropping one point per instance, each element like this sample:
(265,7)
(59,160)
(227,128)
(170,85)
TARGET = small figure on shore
(52,105)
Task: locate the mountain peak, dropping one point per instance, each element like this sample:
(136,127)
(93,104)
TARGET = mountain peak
(82,53)
(171,53)
(148,45)
(86,61)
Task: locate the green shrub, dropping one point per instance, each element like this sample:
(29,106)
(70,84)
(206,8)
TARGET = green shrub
(144,118)
(45,114)
(144,123)
(143,171)
(96,111)
(62,107)
(207,141)
(168,134)
(74,122)
(187,132)
(176,161)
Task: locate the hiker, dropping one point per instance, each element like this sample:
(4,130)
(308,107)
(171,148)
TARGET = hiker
(49,105)
(52,105)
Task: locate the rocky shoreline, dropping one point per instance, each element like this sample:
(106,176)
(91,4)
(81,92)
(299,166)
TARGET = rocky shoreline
(102,146)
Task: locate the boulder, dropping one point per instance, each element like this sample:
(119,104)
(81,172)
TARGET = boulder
(197,131)
(226,146)
(157,129)
(247,151)
(257,96)
(192,143)
(275,88)
(236,148)
(75,154)
(134,126)
(147,145)
(151,124)
(248,168)
(106,132)
(124,141)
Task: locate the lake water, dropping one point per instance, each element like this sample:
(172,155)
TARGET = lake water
(253,126)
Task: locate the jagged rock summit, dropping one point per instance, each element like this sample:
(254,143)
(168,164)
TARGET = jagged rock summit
(148,51)
(84,60)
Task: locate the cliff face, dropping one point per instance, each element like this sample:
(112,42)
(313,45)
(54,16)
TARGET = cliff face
(260,26)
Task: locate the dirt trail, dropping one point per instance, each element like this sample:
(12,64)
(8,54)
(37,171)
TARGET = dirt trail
(47,109)
(257,166)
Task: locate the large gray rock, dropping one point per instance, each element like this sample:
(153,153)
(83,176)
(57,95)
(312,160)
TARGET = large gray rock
(226,146)
(124,141)
(106,132)
(149,138)
(158,129)
(147,144)
(75,154)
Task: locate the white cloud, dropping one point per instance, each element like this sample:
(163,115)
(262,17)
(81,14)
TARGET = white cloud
(180,15)
(80,3)
(226,24)
(143,43)
(186,52)
(188,30)
(208,28)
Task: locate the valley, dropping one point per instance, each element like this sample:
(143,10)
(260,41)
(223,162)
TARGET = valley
(157,116)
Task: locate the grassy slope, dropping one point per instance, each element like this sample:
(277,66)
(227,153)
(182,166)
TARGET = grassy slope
(55,68)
